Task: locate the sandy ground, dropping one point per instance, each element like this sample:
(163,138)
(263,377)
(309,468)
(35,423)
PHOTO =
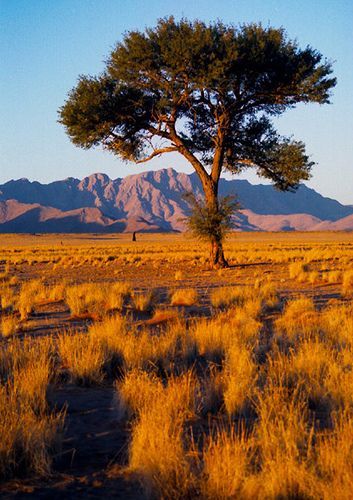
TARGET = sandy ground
(95,443)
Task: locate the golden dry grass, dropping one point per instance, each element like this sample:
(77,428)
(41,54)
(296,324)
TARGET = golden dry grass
(184,297)
(226,457)
(9,325)
(82,357)
(144,301)
(253,400)
(240,374)
(157,451)
(29,431)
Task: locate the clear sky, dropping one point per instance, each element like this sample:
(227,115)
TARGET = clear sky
(46,44)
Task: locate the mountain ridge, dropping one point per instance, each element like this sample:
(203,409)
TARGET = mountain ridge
(152,201)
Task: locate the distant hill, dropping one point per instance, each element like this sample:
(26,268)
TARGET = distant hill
(152,201)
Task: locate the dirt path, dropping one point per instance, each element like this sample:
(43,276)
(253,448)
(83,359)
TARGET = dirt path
(93,455)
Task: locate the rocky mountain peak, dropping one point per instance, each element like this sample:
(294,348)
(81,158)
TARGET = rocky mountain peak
(153,200)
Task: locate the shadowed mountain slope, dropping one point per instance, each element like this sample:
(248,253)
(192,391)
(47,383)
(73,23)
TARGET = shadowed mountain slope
(152,201)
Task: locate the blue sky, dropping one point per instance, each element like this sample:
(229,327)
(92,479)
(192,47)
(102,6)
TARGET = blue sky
(46,44)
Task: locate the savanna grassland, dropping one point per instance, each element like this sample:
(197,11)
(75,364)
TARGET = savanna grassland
(132,370)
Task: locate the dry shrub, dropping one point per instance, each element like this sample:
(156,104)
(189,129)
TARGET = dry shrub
(19,354)
(86,298)
(321,373)
(29,432)
(337,324)
(184,297)
(347,283)
(302,277)
(83,358)
(179,275)
(297,269)
(227,458)
(268,293)
(157,451)
(306,370)
(313,277)
(144,301)
(240,374)
(334,276)
(215,336)
(111,334)
(137,389)
(140,349)
(30,294)
(31,371)
(8,299)
(56,292)
(118,294)
(300,320)
(284,438)
(251,308)
(335,461)
(27,437)
(227,296)
(9,325)
(339,380)
(161,316)
(96,298)
(309,367)
(143,348)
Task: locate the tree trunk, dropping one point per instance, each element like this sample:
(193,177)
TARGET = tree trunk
(217,259)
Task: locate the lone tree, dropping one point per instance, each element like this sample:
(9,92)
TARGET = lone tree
(207,92)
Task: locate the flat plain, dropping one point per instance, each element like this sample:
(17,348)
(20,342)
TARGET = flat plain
(130,369)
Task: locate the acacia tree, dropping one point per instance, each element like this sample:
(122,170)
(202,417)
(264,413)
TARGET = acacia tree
(204,91)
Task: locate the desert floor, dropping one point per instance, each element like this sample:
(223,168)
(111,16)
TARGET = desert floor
(94,455)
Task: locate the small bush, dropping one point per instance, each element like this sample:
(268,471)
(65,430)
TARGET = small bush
(228,296)
(30,294)
(86,298)
(297,268)
(9,325)
(179,275)
(83,358)
(227,458)
(144,301)
(300,320)
(184,297)
(27,436)
(8,299)
(347,284)
(157,452)
(240,374)
(29,432)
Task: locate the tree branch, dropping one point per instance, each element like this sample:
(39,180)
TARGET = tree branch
(195,162)
(223,123)
(249,163)
(276,177)
(158,152)
(158,131)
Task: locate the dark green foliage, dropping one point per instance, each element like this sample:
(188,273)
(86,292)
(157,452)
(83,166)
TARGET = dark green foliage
(210,223)
(204,88)
(102,111)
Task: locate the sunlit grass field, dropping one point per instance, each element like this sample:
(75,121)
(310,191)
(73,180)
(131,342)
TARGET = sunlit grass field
(235,383)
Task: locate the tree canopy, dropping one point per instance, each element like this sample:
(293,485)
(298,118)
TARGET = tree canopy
(206,91)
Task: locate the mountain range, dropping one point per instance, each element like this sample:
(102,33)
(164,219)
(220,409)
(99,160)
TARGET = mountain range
(153,202)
